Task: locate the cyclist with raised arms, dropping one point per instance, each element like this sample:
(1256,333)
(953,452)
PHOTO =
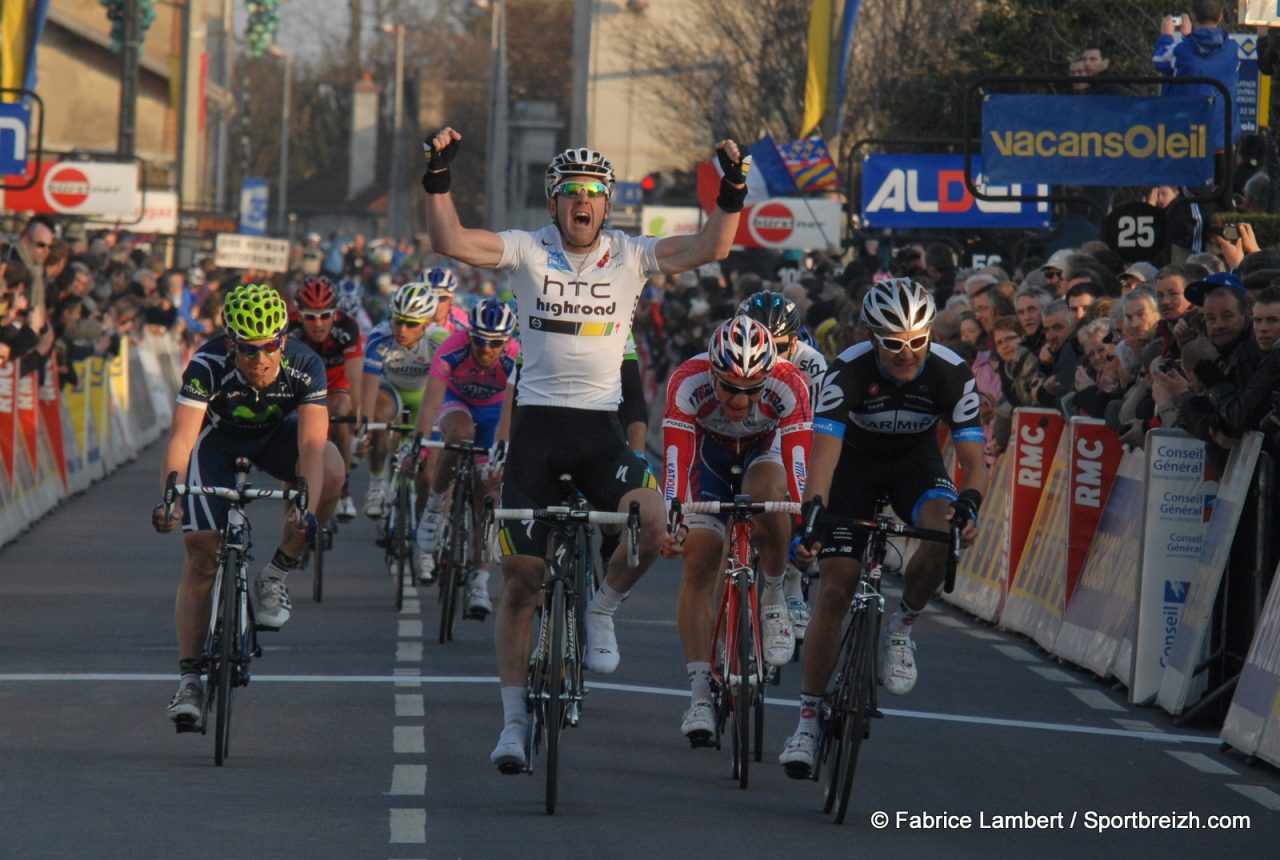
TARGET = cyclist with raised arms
(782,318)
(254,393)
(336,338)
(396,363)
(470,375)
(576,285)
(875,436)
(736,405)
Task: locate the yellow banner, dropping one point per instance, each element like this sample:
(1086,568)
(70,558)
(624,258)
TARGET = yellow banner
(98,398)
(120,376)
(77,400)
(15,22)
(816,79)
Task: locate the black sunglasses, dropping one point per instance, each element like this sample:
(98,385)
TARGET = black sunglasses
(734,390)
(492,342)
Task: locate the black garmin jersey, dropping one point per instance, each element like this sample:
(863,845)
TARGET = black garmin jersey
(862,404)
(233,405)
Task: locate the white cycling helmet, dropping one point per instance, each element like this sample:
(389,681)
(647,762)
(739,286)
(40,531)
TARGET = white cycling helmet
(578,162)
(742,347)
(415,301)
(898,305)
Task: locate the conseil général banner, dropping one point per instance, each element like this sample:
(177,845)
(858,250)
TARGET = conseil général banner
(1098,140)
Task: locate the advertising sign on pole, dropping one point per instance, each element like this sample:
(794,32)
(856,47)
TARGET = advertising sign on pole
(254,197)
(234,251)
(903,191)
(108,189)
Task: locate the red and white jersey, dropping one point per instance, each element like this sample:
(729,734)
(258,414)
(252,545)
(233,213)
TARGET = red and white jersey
(693,410)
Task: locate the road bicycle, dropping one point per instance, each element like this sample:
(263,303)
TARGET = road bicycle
(555,684)
(849,705)
(739,673)
(453,553)
(231,642)
(396,532)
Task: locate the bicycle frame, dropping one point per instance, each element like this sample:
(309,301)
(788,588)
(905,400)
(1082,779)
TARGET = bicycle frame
(453,556)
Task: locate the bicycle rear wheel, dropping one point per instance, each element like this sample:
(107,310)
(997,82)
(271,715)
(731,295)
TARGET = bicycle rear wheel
(555,690)
(858,697)
(226,636)
(743,700)
(831,749)
(400,540)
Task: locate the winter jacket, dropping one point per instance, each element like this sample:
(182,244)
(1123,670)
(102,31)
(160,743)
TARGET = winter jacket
(1207,53)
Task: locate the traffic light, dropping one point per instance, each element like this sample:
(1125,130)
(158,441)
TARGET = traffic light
(651,183)
(115,13)
(260,30)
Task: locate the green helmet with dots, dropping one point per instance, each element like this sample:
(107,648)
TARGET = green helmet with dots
(254,312)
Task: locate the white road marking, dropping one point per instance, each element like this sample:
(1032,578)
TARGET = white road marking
(408,652)
(409,705)
(1095,699)
(411,679)
(1137,725)
(1202,762)
(407,740)
(409,779)
(411,607)
(647,622)
(409,826)
(410,629)
(950,621)
(1051,674)
(1017,652)
(1261,794)
(624,688)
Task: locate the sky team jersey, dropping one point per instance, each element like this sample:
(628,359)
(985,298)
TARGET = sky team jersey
(231,404)
(469,382)
(344,342)
(812,365)
(405,369)
(575,315)
(693,410)
(873,414)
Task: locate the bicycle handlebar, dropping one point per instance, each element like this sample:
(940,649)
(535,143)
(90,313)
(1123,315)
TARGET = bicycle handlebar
(737,507)
(238,495)
(560,514)
(458,447)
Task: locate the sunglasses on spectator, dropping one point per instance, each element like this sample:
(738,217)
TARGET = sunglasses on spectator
(491,342)
(313,316)
(43,245)
(895,345)
(396,319)
(593,189)
(249,350)
(734,390)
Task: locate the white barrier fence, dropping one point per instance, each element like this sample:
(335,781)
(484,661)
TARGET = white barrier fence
(54,442)
(1112,560)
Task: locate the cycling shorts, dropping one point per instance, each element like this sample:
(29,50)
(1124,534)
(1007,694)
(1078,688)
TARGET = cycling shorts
(213,464)
(402,399)
(484,417)
(337,379)
(860,480)
(711,480)
(549,441)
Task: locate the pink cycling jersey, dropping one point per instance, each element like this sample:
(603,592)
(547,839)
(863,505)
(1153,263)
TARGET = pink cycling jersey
(467,381)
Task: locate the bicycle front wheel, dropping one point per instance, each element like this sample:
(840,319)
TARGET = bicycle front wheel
(555,690)
(744,699)
(400,537)
(858,699)
(831,742)
(224,681)
(317,569)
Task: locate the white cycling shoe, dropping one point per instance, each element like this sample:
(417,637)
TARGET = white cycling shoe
(898,666)
(799,754)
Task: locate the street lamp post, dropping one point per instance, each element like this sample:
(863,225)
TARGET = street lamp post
(495,176)
(283,210)
(397,209)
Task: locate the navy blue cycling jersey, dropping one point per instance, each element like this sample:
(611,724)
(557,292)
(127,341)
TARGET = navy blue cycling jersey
(233,405)
(862,404)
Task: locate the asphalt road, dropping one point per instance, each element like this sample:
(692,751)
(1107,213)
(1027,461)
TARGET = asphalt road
(357,738)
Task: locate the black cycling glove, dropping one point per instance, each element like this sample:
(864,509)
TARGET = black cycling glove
(966,505)
(439,178)
(731,197)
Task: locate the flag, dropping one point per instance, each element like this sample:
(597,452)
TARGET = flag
(810,164)
(767,164)
(851,9)
(21,23)
(817,76)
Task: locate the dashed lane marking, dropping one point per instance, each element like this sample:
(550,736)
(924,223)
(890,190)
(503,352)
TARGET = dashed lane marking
(411,607)
(1259,793)
(984,635)
(1051,674)
(408,677)
(408,652)
(1095,699)
(1017,652)
(950,621)
(409,826)
(410,705)
(1150,729)
(410,629)
(408,740)
(409,779)
(1202,763)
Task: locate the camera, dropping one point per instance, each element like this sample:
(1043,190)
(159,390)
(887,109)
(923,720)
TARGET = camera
(1228,231)
(1176,19)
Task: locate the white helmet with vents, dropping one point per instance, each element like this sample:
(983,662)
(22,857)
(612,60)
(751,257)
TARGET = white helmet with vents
(897,306)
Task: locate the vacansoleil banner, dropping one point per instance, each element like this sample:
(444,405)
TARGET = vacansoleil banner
(1097,140)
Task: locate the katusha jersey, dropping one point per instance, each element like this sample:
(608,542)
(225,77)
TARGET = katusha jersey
(232,405)
(861,404)
(344,342)
(693,409)
(575,313)
(469,382)
(405,369)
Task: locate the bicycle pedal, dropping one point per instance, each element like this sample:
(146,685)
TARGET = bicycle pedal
(700,740)
(262,628)
(182,725)
(798,770)
(380,542)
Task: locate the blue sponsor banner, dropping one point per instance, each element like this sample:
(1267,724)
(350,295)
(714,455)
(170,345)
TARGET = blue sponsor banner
(254,198)
(1098,140)
(15,121)
(905,191)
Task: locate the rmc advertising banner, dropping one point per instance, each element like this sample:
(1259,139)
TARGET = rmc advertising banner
(1098,140)
(928,191)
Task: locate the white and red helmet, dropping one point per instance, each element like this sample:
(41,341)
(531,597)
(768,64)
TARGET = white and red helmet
(742,347)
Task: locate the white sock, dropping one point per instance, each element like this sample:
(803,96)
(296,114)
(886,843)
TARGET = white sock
(792,588)
(378,476)
(773,583)
(513,706)
(480,578)
(904,618)
(809,712)
(606,601)
(699,681)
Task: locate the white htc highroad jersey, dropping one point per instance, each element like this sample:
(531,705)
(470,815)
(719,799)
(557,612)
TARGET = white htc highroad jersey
(575,313)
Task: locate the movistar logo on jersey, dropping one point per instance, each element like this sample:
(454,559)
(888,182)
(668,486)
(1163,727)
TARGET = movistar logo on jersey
(248,415)
(195,386)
